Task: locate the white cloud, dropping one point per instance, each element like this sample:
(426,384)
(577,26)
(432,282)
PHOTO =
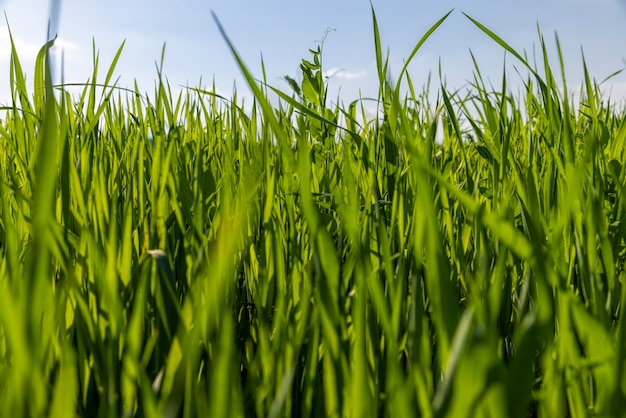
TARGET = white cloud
(344,74)
(62,44)
(26,49)
(615,91)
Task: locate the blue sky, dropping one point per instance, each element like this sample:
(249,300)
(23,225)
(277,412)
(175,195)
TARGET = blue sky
(282,31)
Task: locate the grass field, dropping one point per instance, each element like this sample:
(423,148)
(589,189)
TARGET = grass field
(179,256)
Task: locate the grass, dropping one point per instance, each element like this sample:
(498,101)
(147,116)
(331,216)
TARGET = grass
(177,256)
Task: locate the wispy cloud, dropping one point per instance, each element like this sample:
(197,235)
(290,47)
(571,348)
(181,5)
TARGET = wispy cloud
(26,49)
(344,74)
(616,91)
(62,44)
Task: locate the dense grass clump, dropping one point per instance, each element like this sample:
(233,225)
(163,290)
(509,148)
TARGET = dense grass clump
(179,256)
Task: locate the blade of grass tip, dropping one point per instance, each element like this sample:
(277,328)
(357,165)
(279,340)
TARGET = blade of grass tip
(281,135)
(17,80)
(264,74)
(419,44)
(591,96)
(548,74)
(94,77)
(562,66)
(114,64)
(46,175)
(507,47)
(38,270)
(94,120)
(551,103)
(40,91)
(64,153)
(505,130)
(565,120)
(377,46)
(459,137)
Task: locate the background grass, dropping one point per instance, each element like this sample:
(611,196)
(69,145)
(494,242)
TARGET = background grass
(175,256)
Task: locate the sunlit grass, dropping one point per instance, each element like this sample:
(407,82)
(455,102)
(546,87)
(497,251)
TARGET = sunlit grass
(177,255)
